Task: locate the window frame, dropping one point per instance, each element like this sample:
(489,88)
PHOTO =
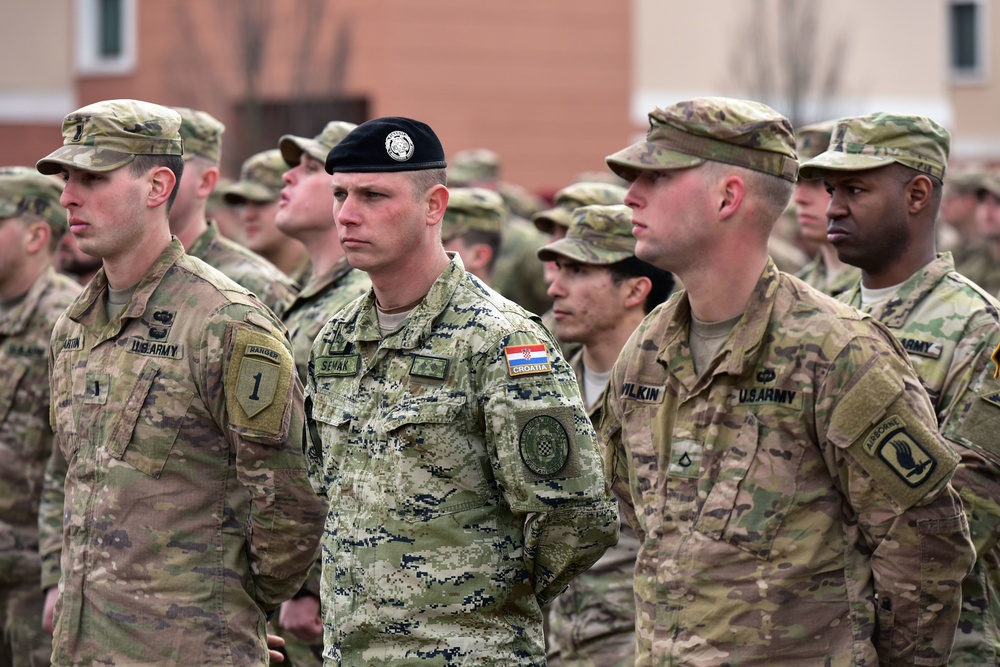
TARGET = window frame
(89,59)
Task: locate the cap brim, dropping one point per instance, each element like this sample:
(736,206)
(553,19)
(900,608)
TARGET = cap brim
(649,156)
(546,221)
(292,148)
(85,158)
(242,191)
(839,161)
(579,251)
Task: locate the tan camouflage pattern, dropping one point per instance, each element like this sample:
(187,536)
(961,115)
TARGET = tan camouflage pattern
(988,181)
(441,543)
(24,190)
(517,273)
(25,444)
(979,266)
(201,133)
(260,179)
(879,139)
(811,140)
(739,132)
(592,622)
(104,136)
(597,235)
(187,509)
(949,327)
(292,147)
(473,165)
(472,209)
(817,275)
(519,200)
(246,268)
(574,196)
(322,298)
(776,495)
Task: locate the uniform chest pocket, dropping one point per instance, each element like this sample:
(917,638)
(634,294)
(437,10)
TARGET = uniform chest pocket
(8,389)
(753,489)
(144,434)
(331,417)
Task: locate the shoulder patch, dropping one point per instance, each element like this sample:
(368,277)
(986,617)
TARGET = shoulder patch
(995,358)
(980,426)
(257,382)
(547,443)
(527,359)
(892,444)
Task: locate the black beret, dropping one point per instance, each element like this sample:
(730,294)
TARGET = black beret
(392,143)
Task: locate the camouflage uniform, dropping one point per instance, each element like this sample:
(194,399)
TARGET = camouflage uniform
(25,435)
(184,513)
(791,501)
(949,327)
(815,274)
(465,488)
(472,209)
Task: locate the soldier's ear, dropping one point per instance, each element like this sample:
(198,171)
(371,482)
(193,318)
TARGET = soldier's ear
(36,237)
(161,181)
(637,289)
(919,192)
(437,203)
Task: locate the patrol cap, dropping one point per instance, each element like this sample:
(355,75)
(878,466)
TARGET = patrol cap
(201,133)
(260,179)
(738,132)
(318,147)
(989,182)
(573,197)
(880,139)
(392,143)
(811,140)
(597,235)
(107,135)
(472,209)
(964,181)
(474,165)
(24,190)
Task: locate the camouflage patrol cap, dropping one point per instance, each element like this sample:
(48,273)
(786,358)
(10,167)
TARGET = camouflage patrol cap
(474,165)
(107,135)
(964,181)
(811,140)
(880,139)
(201,133)
(24,190)
(989,182)
(573,197)
(260,179)
(738,132)
(318,147)
(472,209)
(597,235)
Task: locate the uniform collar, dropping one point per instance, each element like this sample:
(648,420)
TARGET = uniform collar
(16,321)
(319,284)
(895,311)
(204,240)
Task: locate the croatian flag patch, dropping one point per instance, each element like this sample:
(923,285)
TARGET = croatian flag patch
(527,360)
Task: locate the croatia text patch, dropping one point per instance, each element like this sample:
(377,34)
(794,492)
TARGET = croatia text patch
(527,359)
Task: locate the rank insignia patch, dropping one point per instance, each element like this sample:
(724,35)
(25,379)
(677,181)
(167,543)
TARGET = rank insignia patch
(527,359)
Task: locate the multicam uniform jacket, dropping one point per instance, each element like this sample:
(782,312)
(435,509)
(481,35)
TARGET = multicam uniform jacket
(949,327)
(815,274)
(187,509)
(464,480)
(792,502)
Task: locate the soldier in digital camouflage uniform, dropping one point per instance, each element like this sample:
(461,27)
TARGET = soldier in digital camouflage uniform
(601,292)
(772,448)
(202,137)
(32,296)
(825,272)
(258,194)
(464,480)
(885,172)
(305,213)
(472,227)
(185,513)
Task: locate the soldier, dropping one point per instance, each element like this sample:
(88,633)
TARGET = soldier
(601,292)
(772,448)
(471,227)
(464,481)
(73,262)
(825,272)
(982,264)
(32,296)
(885,173)
(187,509)
(959,203)
(227,217)
(258,193)
(202,136)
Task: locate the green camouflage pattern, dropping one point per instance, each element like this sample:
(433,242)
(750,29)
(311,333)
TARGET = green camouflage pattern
(24,190)
(472,209)
(969,180)
(104,136)
(245,268)
(260,179)
(473,165)
(292,147)
(950,327)
(817,275)
(988,181)
(879,139)
(185,512)
(592,622)
(597,235)
(811,140)
(738,132)
(321,299)
(447,528)
(979,266)
(201,133)
(519,200)
(517,273)
(775,495)
(25,444)
(574,196)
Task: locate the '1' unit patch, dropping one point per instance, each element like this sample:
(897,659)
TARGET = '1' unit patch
(527,360)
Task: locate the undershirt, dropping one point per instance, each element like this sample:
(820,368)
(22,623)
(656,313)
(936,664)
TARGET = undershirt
(118,299)
(707,340)
(870,297)
(594,384)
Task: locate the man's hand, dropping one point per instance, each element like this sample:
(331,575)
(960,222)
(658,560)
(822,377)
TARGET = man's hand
(300,618)
(48,613)
(274,642)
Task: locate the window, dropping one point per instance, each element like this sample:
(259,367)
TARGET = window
(967,19)
(105,36)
